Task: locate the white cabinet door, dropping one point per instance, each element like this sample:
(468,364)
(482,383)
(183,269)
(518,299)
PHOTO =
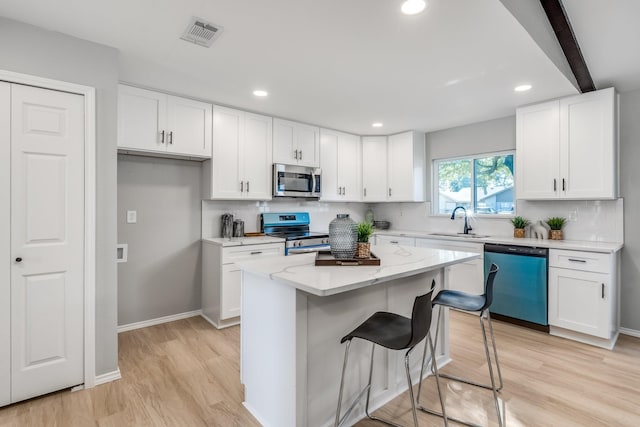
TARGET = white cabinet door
(538,152)
(5,244)
(256,156)
(374,168)
(228,126)
(340,161)
(296,143)
(230,292)
(331,188)
(284,144)
(142,116)
(308,144)
(400,167)
(587,145)
(580,301)
(47,241)
(189,127)
(349,167)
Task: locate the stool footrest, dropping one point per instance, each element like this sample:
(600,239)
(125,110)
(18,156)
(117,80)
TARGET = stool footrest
(466,381)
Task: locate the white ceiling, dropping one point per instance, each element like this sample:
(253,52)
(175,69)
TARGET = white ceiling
(342,64)
(608,33)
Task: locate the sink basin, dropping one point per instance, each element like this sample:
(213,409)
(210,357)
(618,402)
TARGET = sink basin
(464,236)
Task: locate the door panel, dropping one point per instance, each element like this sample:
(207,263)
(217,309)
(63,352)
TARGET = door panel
(227,134)
(5,244)
(374,169)
(307,138)
(47,234)
(329,165)
(400,167)
(349,167)
(142,115)
(189,127)
(256,154)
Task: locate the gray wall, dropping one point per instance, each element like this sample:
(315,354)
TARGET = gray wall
(484,137)
(163,273)
(32,50)
(630,189)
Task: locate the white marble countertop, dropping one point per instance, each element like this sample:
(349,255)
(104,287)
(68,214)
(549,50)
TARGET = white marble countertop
(574,245)
(242,241)
(396,261)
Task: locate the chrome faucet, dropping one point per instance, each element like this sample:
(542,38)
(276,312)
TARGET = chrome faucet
(466,224)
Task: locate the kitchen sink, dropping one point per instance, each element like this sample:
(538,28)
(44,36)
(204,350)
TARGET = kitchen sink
(465,236)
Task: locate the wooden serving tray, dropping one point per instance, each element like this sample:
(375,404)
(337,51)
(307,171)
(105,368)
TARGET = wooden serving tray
(253,234)
(324,258)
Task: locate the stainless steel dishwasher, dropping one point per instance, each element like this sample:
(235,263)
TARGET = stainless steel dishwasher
(520,287)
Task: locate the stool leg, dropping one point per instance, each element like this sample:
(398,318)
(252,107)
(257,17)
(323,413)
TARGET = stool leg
(493,385)
(344,366)
(495,351)
(413,402)
(366,407)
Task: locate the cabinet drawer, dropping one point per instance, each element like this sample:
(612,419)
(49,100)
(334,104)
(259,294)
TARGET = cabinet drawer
(582,261)
(395,240)
(236,253)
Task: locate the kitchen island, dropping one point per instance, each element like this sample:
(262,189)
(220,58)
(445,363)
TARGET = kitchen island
(294,315)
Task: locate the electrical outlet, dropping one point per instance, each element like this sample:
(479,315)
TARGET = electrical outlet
(573,215)
(132,217)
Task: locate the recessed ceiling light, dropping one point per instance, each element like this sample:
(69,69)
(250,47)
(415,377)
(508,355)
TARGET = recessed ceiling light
(413,7)
(260,93)
(376,125)
(522,88)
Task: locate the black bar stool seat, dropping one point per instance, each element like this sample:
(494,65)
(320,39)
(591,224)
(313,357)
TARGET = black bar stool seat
(460,300)
(389,330)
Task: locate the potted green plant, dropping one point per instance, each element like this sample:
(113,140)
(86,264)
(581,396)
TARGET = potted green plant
(519,224)
(365,229)
(556,223)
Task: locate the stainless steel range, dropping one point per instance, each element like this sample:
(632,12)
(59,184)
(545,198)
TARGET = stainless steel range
(294,228)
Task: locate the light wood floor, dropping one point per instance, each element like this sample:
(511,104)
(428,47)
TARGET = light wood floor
(186,373)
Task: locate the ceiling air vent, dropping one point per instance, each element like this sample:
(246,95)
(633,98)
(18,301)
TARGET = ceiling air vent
(201,32)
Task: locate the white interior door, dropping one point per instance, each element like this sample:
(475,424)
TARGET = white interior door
(47,241)
(5,244)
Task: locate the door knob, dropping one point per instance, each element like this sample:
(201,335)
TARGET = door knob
(18,259)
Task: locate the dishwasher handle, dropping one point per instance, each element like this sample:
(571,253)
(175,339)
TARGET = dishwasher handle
(517,250)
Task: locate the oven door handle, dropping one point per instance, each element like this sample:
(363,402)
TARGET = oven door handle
(303,250)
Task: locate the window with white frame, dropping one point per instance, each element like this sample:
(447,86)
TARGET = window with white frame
(482,184)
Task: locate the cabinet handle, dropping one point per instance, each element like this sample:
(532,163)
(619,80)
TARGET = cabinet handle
(394,241)
(339,191)
(171,137)
(162,137)
(18,260)
(563,186)
(365,192)
(247,186)
(344,191)
(242,186)
(554,185)
(603,291)
(295,154)
(389,191)
(300,155)
(577,260)
(256,253)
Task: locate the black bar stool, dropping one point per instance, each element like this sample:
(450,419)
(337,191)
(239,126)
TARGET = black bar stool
(473,303)
(395,332)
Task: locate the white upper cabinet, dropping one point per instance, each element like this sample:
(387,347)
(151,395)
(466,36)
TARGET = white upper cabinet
(406,167)
(296,143)
(158,124)
(340,161)
(374,168)
(393,168)
(241,163)
(567,148)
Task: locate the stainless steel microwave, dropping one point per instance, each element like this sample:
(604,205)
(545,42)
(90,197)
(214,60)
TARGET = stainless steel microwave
(296,181)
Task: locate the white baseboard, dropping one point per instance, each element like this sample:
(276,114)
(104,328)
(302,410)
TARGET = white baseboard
(108,377)
(158,321)
(630,332)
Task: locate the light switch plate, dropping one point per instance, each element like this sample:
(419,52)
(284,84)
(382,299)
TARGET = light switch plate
(132,217)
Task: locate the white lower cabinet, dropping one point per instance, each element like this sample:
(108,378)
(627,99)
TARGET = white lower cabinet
(221,278)
(395,240)
(583,297)
(467,276)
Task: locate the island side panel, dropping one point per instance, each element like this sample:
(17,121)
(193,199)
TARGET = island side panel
(269,350)
(330,318)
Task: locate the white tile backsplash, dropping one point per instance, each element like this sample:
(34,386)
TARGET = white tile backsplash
(599,220)
(321,213)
